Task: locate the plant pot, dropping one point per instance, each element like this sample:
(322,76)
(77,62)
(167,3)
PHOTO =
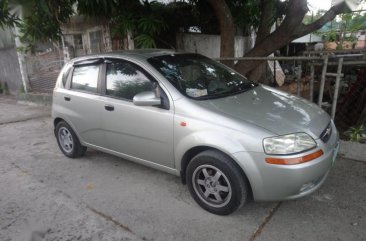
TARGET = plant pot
(353,150)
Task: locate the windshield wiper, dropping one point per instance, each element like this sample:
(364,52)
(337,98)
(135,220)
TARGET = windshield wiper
(249,86)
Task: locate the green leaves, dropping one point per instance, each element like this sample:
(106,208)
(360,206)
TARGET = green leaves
(145,41)
(151,25)
(148,27)
(42,19)
(245,13)
(122,24)
(7,19)
(145,24)
(356,134)
(97,7)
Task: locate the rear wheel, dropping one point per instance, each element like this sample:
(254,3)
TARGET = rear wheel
(68,141)
(216,182)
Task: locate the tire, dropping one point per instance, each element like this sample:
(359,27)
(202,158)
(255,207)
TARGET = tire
(68,142)
(216,182)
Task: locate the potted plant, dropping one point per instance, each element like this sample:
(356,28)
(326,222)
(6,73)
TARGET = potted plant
(354,145)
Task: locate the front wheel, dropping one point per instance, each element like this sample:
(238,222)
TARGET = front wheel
(216,182)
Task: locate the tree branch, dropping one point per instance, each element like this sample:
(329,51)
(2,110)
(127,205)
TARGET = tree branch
(328,16)
(291,28)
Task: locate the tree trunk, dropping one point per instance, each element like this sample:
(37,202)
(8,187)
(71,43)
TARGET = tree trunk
(264,29)
(227,29)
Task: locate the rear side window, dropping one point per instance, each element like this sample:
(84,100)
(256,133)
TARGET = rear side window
(85,78)
(125,80)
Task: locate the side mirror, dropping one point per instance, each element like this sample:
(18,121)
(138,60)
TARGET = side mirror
(146,98)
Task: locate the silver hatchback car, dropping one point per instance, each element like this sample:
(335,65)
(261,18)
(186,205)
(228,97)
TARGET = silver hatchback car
(226,137)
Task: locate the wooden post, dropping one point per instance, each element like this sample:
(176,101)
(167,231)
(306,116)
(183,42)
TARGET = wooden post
(336,88)
(322,82)
(311,82)
(299,80)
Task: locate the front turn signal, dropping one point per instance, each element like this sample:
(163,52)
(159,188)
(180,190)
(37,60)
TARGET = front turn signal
(296,160)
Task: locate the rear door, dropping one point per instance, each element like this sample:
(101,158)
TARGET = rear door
(81,101)
(144,132)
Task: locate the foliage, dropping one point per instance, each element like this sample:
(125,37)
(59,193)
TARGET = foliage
(330,36)
(145,28)
(205,16)
(339,47)
(6,89)
(42,19)
(356,133)
(143,20)
(39,27)
(21,89)
(145,41)
(146,21)
(97,8)
(7,18)
(344,28)
(148,27)
(358,22)
(245,13)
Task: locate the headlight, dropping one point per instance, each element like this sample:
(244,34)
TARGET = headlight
(288,144)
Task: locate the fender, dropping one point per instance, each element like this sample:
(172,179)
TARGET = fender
(212,139)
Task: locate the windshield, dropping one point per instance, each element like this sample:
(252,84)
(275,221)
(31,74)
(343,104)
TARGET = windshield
(199,77)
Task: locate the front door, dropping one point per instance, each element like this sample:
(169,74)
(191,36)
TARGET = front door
(144,132)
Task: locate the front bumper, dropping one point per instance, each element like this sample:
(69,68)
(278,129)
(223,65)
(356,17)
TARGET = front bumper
(271,182)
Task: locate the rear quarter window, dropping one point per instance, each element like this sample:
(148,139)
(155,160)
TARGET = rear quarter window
(85,78)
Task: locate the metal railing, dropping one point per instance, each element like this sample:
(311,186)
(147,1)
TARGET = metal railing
(328,58)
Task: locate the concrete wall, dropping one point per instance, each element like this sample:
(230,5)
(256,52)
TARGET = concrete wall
(6,38)
(9,69)
(43,69)
(209,45)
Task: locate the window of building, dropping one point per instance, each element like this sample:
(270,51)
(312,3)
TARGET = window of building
(78,41)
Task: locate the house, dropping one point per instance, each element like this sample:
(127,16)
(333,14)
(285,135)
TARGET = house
(82,36)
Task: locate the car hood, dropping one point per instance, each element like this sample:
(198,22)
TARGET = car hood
(274,110)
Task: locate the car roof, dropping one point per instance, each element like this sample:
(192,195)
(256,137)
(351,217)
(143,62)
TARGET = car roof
(141,54)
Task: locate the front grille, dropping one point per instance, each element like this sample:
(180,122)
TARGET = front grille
(325,135)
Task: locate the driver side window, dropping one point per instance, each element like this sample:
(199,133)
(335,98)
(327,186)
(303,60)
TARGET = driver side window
(124,80)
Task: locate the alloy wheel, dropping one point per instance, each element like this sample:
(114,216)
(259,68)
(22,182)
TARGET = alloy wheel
(211,186)
(65,139)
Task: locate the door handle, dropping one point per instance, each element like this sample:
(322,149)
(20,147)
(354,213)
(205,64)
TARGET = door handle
(109,107)
(67,98)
